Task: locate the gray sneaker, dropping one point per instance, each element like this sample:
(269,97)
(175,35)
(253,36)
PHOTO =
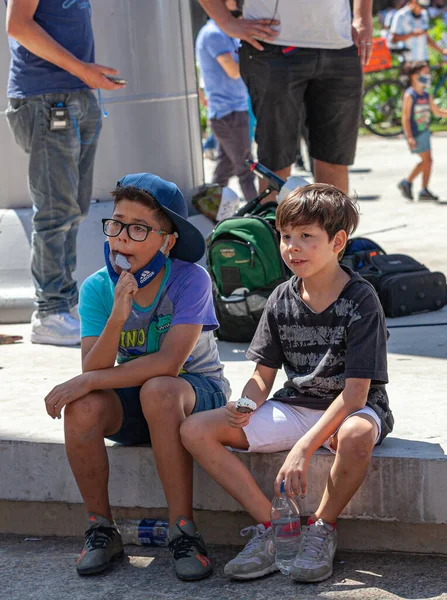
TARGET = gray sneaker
(314,561)
(258,556)
(188,551)
(103,544)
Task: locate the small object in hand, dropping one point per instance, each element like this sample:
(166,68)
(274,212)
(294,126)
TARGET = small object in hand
(245,405)
(116,79)
(122,262)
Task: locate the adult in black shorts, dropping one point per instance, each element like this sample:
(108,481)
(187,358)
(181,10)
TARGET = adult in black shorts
(296,53)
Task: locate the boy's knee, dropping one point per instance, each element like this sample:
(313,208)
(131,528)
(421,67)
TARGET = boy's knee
(85,414)
(192,431)
(356,438)
(159,394)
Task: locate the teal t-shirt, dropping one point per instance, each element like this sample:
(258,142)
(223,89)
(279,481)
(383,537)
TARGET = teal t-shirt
(184,297)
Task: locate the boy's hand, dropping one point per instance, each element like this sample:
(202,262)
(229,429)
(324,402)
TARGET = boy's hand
(293,473)
(125,289)
(67,392)
(235,418)
(412,143)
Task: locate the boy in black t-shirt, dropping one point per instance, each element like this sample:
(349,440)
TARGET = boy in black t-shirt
(326,327)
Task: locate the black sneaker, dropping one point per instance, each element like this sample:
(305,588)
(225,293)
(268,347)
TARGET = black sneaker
(406,189)
(188,551)
(103,544)
(425,194)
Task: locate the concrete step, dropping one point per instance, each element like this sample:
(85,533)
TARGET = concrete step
(402,496)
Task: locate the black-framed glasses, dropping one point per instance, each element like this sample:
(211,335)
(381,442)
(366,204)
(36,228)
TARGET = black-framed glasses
(136,231)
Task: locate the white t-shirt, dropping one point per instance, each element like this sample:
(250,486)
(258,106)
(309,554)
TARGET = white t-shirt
(405,22)
(306,23)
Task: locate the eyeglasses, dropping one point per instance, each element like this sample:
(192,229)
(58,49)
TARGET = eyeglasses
(136,232)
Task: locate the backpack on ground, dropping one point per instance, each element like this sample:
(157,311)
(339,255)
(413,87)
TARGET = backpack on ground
(404,285)
(245,265)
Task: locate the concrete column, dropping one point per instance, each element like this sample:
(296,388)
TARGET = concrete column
(152,125)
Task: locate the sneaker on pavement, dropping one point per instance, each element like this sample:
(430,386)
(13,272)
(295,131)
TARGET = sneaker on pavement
(425,194)
(406,189)
(60,329)
(314,561)
(103,544)
(258,556)
(188,551)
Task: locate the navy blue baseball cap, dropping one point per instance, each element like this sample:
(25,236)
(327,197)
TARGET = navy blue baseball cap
(190,244)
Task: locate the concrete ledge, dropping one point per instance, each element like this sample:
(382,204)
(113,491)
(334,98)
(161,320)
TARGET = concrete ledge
(403,489)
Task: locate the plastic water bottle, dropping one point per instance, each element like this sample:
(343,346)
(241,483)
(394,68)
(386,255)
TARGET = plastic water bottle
(145,532)
(286,527)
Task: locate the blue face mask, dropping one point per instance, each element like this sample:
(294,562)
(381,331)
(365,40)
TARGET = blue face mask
(143,276)
(425,80)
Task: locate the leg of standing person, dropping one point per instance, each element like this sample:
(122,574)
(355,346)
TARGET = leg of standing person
(333,102)
(53,182)
(89,125)
(233,135)
(276,84)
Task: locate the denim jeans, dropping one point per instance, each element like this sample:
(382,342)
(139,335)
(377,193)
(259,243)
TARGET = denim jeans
(60,178)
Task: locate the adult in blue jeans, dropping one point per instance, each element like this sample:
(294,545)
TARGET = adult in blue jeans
(52,66)
(297,55)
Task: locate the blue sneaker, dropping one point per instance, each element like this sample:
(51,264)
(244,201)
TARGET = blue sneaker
(406,189)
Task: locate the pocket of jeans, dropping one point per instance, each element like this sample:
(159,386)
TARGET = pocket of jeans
(19,121)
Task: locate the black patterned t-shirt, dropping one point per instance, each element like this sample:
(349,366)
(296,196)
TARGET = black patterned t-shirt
(319,351)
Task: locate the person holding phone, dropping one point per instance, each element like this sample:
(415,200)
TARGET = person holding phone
(56,120)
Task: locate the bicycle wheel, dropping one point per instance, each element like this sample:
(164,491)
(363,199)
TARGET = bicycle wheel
(382,107)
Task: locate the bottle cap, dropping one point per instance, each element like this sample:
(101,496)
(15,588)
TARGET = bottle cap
(282,487)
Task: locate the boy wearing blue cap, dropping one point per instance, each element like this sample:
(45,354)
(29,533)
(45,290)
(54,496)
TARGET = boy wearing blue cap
(151,309)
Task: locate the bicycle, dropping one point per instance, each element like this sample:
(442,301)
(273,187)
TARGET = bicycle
(382,99)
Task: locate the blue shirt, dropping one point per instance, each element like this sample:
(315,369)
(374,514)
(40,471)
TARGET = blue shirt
(405,22)
(68,22)
(224,94)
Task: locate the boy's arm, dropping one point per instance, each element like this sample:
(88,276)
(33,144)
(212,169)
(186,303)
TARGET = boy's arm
(21,26)
(436,110)
(257,388)
(406,118)
(229,65)
(249,30)
(169,360)
(294,470)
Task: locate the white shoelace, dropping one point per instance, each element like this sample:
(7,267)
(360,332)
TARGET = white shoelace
(313,539)
(255,542)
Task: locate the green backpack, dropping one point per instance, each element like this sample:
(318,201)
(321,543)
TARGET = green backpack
(245,265)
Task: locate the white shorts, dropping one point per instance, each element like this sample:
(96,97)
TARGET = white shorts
(277,426)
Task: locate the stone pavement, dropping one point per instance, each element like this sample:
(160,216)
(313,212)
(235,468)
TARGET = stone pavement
(45,570)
